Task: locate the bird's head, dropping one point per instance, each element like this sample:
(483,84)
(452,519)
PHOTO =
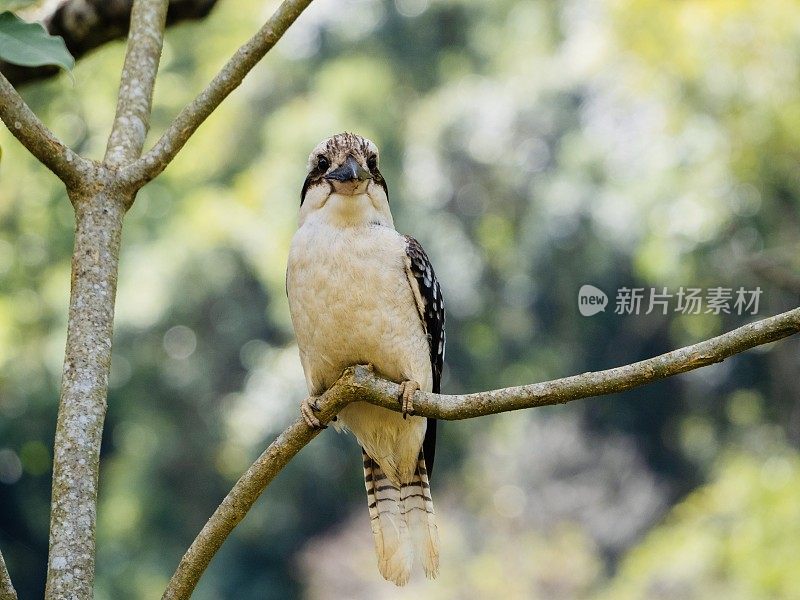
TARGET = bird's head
(343,185)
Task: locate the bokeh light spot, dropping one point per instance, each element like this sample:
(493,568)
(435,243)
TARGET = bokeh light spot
(180,342)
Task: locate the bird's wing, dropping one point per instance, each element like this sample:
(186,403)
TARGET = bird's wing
(430,304)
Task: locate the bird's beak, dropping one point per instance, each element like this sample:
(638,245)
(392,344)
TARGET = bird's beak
(349,171)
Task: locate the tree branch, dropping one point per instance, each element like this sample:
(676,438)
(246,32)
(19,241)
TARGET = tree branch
(99,211)
(88,24)
(135,100)
(7,591)
(227,80)
(241,498)
(360,384)
(598,383)
(84,387)
(69,166)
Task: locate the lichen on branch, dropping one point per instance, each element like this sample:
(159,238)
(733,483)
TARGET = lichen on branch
(7,591)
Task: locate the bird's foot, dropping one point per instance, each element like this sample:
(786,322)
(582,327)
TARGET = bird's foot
(309,409)
(407,390)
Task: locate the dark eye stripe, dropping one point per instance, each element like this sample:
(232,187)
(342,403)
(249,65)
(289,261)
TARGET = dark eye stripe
(316,173)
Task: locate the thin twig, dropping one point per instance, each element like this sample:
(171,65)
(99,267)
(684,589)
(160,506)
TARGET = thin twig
(145,40)
(227,80)
(360,384)
(38,139)
(7,591)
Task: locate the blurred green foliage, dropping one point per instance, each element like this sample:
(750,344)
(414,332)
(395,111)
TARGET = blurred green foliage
(738,537)
(533,147)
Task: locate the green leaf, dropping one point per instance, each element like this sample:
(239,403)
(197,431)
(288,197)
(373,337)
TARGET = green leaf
(29,44)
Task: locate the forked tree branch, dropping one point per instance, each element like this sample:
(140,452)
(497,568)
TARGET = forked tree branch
(24,125)
(358,383)
(100,194)
(99,212)
(227,80)
(7,591)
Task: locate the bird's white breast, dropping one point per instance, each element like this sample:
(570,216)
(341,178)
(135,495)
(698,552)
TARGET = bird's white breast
(351,303)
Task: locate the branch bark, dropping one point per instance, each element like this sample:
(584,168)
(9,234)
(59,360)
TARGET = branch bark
(227,80)
(99,213)
(84,385)
(358,383)
(69,166)
(7,591)
(132,121)
(101,196)
(88,24)
(598,383)
(237,504)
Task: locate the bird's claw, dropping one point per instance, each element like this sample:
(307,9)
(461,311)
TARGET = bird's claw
(308,409)
(407,390)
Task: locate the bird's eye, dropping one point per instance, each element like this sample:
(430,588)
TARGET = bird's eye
(322,163)
(372,162)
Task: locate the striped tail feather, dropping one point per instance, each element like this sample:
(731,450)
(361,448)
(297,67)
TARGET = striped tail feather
(389,525)
(402,520)
(417,507)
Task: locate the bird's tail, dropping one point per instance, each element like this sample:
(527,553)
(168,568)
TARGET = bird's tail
(403,522)
(415,497)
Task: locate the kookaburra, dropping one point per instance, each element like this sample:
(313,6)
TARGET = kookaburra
(362,293)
